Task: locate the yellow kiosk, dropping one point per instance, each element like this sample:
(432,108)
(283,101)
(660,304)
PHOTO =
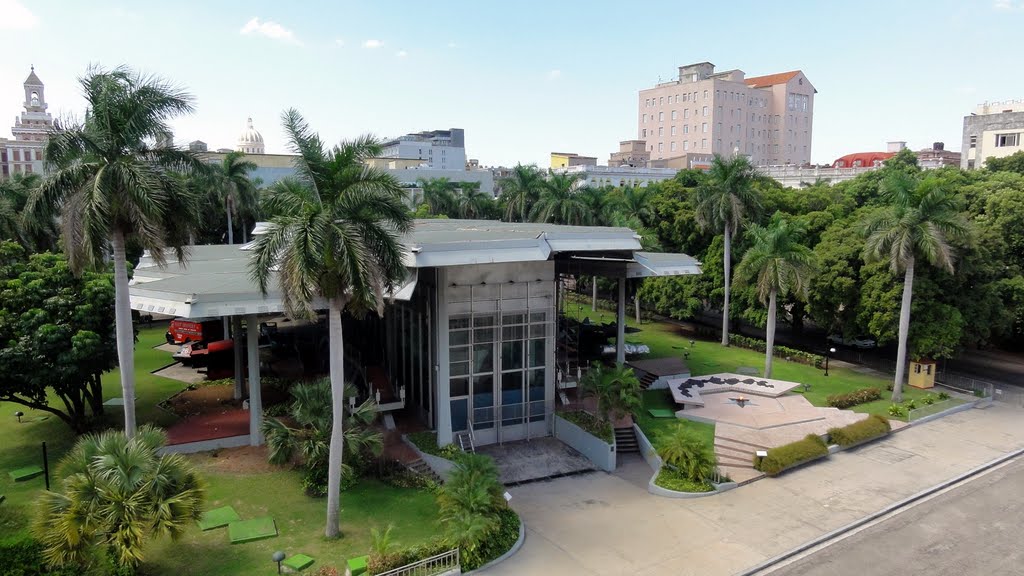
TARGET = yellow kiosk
(922,373)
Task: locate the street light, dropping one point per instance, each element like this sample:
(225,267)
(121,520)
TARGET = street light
(278,557)
(830,352)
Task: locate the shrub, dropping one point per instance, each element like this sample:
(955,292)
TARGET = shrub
(495,544)
(22,558)
(328,571)
(928,400)
(590,424)
(789,455)
(897,411)
(670,479)
(791,354)
(871,427)
(377,563)
(943,395)
(862,396)
(911,404)
(426,441)
(690,455)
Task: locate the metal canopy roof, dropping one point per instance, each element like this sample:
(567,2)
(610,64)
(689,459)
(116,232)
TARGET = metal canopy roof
(215,280)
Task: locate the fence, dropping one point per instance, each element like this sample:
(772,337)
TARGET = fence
(1000,392)
(934,408)
(444,563)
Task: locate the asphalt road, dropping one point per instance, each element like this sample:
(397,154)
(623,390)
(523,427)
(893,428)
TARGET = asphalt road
(975,529)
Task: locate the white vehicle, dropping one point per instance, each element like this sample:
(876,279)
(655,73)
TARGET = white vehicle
(862,342)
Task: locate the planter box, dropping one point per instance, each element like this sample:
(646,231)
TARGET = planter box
(601,453)
(647,449)
(441,466)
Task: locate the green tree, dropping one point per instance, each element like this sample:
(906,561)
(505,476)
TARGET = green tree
(616,390)
(309,437)
(689,454)
(725,198)
(233,186)
(470,500)
(635,201)
(35,231)
(561,202)
(55,327)
(780,264)
(1012,163)
(113,187)
(439,195)
(117,493)
(336,236)
(919,221)
(473,203)
(520,190)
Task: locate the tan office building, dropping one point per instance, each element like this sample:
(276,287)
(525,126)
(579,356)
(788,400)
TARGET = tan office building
(767,118)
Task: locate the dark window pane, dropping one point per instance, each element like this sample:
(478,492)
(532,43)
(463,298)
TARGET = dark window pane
(483,358)
(459,387)
(511,355)
(460,415)
(458,337)
(459,369)
(537,352)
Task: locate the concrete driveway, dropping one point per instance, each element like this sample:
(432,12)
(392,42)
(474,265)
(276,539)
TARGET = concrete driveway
(609,524)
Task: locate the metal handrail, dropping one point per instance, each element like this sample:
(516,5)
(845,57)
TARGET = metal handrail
(439,564)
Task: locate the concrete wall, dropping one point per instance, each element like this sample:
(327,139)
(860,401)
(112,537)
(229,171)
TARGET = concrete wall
(412,175)
(596,450)
(984,128)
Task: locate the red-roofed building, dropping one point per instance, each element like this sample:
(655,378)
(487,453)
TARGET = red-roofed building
(862,159)
(767,118)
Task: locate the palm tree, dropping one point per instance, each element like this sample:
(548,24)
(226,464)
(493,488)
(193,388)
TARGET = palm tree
(689,454)
(561,201)
(439,194)
(600,204)
(520,190)
(32,231)
(111,186)
(117,493)
(471,202)
(781,264)
(616,389)
(920,220)
(336,236)
(470,500)
(635,201)
(310,411)
(722,202)
(231,183)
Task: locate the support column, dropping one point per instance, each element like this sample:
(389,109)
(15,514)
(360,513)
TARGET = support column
(444,403)
(255,401)
(620,315)
(236,337)
(227,326)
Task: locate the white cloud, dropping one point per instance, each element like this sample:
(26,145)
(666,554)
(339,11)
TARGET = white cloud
(401,53)
(373,43)
(14,16)
(339,42)
(1008,5)
(270,29)
(554,74)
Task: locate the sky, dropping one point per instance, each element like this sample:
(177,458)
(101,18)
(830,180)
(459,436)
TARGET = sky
(522,78)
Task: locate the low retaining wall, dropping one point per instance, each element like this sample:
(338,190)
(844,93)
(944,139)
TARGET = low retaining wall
(654,461)
(441,466)
(601,453)
(206,445)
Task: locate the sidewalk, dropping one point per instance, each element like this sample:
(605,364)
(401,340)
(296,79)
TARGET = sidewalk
(604,524)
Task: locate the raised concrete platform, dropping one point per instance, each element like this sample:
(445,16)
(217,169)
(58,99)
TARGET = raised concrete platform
(691,391)
(533,460)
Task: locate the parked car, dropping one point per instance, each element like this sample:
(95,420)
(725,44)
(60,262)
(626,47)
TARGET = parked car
(862,342)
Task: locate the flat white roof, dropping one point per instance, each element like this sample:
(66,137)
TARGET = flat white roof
(215,280)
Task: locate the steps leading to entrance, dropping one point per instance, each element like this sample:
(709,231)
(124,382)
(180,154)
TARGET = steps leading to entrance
(420,467)
(465,441)
(625,441)
(646,379)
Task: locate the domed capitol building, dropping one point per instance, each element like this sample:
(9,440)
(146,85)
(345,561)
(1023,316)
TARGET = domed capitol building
(250,141)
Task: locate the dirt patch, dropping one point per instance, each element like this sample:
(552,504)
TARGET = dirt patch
(243,460)
(203,400)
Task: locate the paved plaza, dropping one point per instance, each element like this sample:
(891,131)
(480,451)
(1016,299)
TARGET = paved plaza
(609,524)
(530,460)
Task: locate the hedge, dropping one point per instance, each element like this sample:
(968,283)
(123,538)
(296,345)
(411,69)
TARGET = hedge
(672,480)
(779,351)
(871,427)
(862,396)
(789,455)
(590,424)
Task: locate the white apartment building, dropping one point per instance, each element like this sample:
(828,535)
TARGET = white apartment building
(619,176)
(993,130)
(439,149)
(767,118)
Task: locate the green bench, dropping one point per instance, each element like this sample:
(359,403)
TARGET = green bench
(357,566)
(298,562)
(26,473)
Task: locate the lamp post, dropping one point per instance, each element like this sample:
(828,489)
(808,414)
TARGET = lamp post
(830,352)
(278,557)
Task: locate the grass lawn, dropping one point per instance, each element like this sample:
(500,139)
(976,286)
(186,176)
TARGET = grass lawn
(300,519)
(656,428)
(707,357)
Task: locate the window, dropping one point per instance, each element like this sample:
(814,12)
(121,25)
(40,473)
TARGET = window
(17,155)
(643,133)
(704,127)
(673,114)
(686,128)
(1002,140)
(661,116)
(686,113)
(705,94)
(677,98)
(661,146)
(39,154)
(647,102)
(703,143)
(974,141)
(685,97)
(705,113)
(686,145)
(661,130)
(661,101)
(643,118)
(672,146)
(672,131)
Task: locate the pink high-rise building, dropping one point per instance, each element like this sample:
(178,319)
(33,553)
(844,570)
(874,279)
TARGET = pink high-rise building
(767,118)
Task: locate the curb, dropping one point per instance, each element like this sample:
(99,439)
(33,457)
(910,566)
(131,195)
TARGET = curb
(896,506)
(511,551)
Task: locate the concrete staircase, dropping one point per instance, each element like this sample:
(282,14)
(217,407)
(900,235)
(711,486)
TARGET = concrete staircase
(420,467)
(736,459)
(646,379)
(625,441)
(464,440)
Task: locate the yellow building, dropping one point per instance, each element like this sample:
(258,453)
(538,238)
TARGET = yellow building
(567,159)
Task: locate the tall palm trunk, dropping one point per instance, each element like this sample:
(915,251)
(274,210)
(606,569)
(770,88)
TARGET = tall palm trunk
(769,349)
(231,231)
(245,232)
(593,304)
(728,270)
(125,333)
(337,359)
(901,354)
